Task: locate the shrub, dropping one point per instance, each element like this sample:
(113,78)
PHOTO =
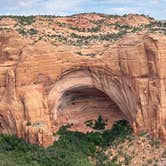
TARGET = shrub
(149,161)
(155,143)
(95,29)
(127,159)
(32,31)
(72,148)
(21,31)
(25,20)
(99,124)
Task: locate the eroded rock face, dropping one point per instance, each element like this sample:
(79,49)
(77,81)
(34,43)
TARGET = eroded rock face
(43,87)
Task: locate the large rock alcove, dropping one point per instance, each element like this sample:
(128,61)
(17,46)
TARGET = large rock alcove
(78,97)
(80,104)
(43,87)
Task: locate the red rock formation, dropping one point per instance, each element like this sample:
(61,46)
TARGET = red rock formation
(43,87)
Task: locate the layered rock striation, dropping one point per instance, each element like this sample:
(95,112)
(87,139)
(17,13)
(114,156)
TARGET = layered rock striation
(44,86)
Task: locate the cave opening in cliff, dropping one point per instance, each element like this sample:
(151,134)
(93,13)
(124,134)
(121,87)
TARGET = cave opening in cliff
(79,105)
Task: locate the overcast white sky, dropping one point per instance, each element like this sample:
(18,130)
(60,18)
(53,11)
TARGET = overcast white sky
(154,8)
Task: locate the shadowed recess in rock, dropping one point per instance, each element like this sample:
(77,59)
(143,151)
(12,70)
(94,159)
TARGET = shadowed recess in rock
(82,103)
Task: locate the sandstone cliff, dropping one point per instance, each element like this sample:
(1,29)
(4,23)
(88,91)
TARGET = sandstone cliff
(44,86)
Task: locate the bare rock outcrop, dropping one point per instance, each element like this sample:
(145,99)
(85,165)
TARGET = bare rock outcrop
(43,86)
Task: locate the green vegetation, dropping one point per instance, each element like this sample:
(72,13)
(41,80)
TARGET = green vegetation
(157,26)
(93,29)
(79,40)
(72,148)
(155,143)
(23,20)
(58,37)
(149,161)
(101,37)
(21,31)
(30,32)
(98,124)
(5,29)
(93,33)
(153,27)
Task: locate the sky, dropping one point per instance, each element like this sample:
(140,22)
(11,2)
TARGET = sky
(153,8)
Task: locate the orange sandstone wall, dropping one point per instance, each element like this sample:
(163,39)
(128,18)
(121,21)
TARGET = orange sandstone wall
(34,78)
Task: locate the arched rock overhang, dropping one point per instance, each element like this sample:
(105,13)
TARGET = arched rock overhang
(119,89)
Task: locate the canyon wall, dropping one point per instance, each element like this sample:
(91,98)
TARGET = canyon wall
(44,86)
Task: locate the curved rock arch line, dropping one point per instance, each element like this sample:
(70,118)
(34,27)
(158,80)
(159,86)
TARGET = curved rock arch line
(89,78)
